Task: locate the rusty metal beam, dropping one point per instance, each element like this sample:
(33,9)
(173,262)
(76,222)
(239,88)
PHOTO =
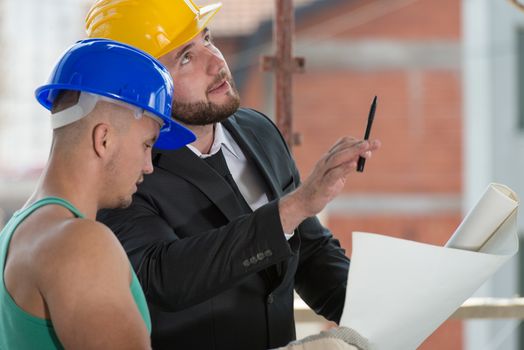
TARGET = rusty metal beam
(283,64)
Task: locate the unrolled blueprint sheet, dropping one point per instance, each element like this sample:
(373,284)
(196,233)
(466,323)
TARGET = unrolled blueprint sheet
(400,291)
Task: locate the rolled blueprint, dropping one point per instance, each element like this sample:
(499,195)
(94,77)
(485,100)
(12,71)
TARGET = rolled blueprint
(483,221)
(400,291)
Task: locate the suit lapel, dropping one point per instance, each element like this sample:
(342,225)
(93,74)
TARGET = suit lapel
(187,165)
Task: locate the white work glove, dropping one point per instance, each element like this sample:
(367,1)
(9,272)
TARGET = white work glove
(340,338)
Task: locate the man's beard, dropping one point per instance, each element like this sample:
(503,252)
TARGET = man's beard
(205,113)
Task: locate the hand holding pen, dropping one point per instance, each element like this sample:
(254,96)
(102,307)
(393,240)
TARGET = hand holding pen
(325,182)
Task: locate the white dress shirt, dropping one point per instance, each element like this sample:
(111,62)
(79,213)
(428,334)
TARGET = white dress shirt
(248,180)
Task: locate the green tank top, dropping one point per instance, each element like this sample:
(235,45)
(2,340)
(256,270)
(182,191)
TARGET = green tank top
(22,331)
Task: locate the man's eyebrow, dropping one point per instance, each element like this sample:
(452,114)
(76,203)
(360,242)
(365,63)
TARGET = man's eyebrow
(184,49)
(205,31)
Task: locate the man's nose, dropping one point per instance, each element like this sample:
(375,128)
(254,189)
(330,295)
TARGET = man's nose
(215,63)
(148,167)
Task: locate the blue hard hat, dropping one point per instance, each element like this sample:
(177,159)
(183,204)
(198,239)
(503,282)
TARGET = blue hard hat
(121,72)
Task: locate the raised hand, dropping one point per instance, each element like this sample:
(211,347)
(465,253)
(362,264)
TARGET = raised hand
(325,182)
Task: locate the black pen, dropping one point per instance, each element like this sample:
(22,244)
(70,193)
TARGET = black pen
(371,116)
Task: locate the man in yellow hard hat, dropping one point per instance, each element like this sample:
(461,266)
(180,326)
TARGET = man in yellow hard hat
(223,232)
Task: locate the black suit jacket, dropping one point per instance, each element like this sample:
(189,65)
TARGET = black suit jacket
(215,277)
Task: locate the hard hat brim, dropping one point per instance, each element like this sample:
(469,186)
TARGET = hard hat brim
(172,135)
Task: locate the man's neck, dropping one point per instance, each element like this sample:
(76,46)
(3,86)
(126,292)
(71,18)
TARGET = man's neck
(73,185)
(205,135)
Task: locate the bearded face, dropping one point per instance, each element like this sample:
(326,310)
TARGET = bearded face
(204,91)
(206,111)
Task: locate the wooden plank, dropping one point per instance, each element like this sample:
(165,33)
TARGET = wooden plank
(473,308)
(492,308)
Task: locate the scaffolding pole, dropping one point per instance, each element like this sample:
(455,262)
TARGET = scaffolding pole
(283,64)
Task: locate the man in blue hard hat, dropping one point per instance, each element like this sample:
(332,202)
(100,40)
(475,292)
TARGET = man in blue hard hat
(66,281)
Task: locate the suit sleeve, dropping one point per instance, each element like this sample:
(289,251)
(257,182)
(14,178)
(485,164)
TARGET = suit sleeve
(175,272)
(322,270)
(323,267)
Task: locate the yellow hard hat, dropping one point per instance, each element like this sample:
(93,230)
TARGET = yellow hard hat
(155,26)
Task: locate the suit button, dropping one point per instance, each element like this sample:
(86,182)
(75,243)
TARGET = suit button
(270,299)
(268,253)
(253,260)
(261,256)
(246,263)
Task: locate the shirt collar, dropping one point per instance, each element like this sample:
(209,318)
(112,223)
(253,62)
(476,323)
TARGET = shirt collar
(222,138)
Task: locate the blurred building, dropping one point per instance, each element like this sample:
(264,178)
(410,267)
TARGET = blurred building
(33,34)
(493,90)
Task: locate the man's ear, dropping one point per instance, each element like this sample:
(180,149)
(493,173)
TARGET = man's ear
(101,139)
